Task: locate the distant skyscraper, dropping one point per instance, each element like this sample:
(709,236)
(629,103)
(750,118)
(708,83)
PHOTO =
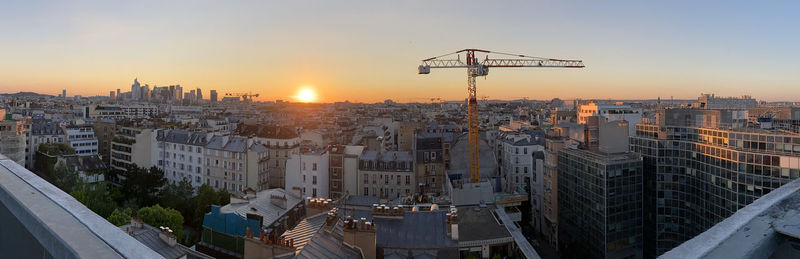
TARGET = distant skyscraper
(178,92)
(112,94)
(171,92)
(64,93)
(145,95)
(136,91)
(199,94)
(213,95)
(118,93)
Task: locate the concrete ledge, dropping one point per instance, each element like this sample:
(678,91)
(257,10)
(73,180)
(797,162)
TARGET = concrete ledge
(63,227)
(747,233)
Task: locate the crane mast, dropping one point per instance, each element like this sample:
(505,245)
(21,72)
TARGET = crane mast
(477,68)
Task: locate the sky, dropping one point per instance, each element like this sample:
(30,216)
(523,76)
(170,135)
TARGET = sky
(369,51)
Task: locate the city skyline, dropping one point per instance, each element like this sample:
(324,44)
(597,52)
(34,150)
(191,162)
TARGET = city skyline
(369,53)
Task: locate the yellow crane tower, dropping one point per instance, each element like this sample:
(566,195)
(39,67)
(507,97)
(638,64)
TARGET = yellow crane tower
(477,68)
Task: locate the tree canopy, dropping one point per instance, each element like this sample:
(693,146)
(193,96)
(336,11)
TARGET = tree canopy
(158,216)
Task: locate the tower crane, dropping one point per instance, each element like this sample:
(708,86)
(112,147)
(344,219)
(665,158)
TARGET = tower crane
(476,68)
(245,96)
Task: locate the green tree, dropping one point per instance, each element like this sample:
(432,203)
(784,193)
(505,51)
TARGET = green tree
(64,178)
(143,184)
(120,217)
(158,216)
(201,204)
(95,197)
(178,196)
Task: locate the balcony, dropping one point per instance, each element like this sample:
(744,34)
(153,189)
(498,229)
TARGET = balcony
(39,220)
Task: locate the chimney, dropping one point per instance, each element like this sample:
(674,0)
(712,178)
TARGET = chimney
(278,200)
(384,211)
(167,236)
(136,222)
(452,223)
(332,219)
(360,234)
(316,206)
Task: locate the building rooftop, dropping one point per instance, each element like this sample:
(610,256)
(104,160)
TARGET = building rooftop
(605,158)
(327,245)
(182,137)
(266,131)
(416,230)
(263,205)
(476,224)
(148,235)
(305,230)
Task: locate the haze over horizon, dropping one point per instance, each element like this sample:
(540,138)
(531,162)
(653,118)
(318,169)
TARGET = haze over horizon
(369,52)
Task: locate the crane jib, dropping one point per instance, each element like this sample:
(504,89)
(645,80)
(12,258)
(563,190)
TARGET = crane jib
(481,68)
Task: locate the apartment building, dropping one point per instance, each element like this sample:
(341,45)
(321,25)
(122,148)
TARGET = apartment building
(307,174)
(12,137)
(517,164)
(611,112)
(386,175)
(282,142)
(42,131)
(104,130)
(82,139)
(350,169)
(129,111)
(336,165)
(132,145)
(180,155)
(429,165)
(234,163)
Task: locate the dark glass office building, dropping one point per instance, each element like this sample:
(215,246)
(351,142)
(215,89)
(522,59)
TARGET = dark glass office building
(701,166)
(599,204)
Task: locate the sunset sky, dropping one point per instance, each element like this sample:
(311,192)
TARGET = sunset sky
(369,50)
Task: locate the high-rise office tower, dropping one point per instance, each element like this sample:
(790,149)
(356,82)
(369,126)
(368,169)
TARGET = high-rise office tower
(213,95)
(112,95)
(136,92)
(599,204)
(199,94)
(118,92)
(64,93)
(178,92)
(702,165)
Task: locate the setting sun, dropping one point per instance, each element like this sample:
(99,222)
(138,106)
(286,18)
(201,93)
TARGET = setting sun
(306,96)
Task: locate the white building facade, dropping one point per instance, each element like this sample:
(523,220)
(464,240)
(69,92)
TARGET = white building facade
(180,155)
(82,139)
(307,174)
(611,112)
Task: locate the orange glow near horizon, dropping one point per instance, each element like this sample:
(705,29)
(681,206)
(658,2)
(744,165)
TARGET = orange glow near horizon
(306,95)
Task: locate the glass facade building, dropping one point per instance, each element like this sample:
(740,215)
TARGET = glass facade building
(599,204)
(696,175)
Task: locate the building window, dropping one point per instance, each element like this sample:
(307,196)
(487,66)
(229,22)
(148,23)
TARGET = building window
(408,179)
(314,192)
(313,179)
(304,178)
(366,179)
(314,167)
(366,191)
